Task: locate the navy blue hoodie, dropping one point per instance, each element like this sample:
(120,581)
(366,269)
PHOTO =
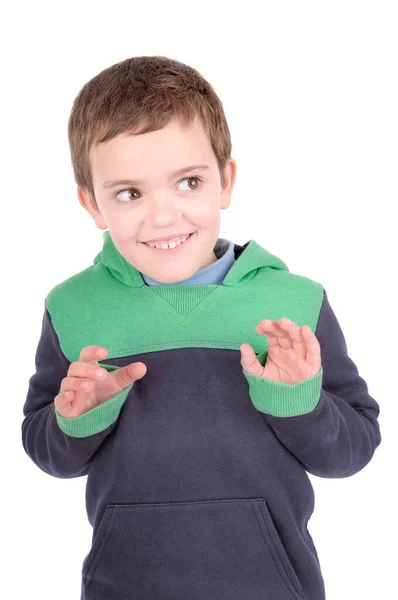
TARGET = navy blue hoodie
(197,484)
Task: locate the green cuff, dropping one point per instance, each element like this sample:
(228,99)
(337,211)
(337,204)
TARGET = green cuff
(284,399)
(95,420)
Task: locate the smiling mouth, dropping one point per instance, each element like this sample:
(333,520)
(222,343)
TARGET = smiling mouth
(166,248)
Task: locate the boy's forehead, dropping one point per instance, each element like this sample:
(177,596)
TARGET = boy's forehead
(174,146)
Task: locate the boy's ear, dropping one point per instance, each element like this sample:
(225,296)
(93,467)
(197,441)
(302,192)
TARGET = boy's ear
(90,205)
(229,181)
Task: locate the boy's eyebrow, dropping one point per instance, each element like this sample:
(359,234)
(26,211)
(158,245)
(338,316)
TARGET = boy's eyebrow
(114,182)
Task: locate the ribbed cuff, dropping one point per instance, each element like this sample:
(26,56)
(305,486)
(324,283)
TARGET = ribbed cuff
(284,399)
(95,420)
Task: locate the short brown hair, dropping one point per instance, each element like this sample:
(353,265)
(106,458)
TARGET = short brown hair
(139,95)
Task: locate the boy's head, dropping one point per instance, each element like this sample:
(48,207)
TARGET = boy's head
(139,122)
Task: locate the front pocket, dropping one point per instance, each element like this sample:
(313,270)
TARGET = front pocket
(276,548)
(213,549)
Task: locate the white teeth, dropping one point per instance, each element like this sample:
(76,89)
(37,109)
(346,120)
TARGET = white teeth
(169,244)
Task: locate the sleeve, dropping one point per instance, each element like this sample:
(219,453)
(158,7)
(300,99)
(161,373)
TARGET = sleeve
(60,446)
(329,421)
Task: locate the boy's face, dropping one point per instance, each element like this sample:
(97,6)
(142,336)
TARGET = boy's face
(159,203)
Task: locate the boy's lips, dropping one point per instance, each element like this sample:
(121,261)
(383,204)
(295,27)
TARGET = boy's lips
(166,238)
(170,250)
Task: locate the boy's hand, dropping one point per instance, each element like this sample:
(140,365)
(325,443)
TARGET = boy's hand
(294,353)
(74,399)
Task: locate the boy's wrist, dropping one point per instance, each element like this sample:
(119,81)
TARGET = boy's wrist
(95,420)
(282,399)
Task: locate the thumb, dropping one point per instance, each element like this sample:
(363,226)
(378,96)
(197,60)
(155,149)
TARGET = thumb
(249,360)
(125,376)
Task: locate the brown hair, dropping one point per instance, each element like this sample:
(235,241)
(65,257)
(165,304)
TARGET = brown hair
(146,91)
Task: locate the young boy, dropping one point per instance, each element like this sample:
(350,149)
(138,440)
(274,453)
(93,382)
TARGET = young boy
(195,381)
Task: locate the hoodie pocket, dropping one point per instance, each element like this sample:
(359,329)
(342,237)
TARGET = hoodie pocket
(214,549)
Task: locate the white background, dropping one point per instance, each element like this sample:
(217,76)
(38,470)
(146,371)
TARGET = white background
(310,93)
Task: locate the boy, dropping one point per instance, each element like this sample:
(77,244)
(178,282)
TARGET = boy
(196,444)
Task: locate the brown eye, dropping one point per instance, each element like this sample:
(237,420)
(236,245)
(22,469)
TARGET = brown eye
(190,180)
(128,194)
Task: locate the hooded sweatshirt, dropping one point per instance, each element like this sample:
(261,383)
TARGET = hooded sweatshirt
(197,483)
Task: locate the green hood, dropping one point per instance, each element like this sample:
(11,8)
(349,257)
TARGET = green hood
(252,258)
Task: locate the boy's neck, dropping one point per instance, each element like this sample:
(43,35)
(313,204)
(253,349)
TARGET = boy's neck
(213,273)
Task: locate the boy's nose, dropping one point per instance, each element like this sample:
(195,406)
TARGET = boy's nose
(162,206)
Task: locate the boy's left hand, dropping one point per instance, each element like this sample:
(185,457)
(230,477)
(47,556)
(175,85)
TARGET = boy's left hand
(294,353)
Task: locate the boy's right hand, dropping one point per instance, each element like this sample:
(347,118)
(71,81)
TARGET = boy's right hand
(75,400)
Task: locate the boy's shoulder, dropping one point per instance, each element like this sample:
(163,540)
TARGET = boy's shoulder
(299,282)
(78,287)
(272,270)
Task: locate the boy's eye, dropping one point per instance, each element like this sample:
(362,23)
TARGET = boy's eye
(127,196)
(134,191)
(191,179)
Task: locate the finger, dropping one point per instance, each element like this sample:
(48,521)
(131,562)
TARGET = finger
(299,344)
(275,335)
(311,341)
(266,325)
(249,360)
(77,384)
(85,369)
(92,354)
(89,355)
(63,401)
(125,376)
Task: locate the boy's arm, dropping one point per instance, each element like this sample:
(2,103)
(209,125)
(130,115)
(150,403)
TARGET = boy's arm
(51,448)
(331,423)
